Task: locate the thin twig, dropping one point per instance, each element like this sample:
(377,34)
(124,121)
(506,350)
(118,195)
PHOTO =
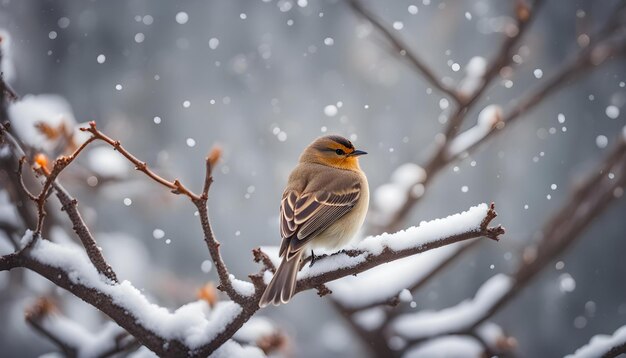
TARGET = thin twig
(404,51)
(176,186)
(598,52)
(69,205)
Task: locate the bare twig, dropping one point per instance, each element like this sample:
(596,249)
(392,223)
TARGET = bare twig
(69,205)
(200,201)
(176,186)
(524,17)
(404,51)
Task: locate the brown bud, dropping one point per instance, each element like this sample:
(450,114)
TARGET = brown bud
(40,309)
(41,162)
(214,155)
(272,342)
(208,293)
(522,11)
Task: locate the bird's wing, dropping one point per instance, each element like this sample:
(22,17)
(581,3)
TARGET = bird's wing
(304,216)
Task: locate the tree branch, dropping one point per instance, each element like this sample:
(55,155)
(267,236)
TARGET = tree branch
(73,339)
(404,51)
(69,205)
(603,346)
(63,267)
(585,204)
(176,186)
(10,261)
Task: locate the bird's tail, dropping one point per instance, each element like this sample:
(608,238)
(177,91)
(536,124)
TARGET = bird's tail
(283,284)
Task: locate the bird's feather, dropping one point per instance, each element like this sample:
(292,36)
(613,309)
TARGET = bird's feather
(305,215)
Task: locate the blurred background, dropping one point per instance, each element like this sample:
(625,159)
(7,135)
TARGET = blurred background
(264,78)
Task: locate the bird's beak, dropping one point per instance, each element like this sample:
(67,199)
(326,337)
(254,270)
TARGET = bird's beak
(357,153)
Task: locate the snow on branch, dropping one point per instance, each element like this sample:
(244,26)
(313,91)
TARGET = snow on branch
(603,47)
(377,250)
(196,329)
(194,324)
(588,201)
(73,339)
(488,120)
(603,345)
(391,280)
(424,324)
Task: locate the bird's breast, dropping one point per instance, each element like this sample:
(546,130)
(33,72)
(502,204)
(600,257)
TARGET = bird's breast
(340,233)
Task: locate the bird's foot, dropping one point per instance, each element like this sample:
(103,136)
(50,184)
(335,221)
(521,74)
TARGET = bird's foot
(312,259)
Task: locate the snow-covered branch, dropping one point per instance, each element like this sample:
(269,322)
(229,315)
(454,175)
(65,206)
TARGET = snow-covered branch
(197,329)
(603,47)
(604,346)
(458,319)
(73,339)
(587,202)
(376,250)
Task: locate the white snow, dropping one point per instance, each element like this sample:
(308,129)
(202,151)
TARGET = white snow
(257,327)
(488,118)
(107,162)
(8,67)
(405,295)
(227,350)
(194,324)
(475,70)
(600,344)
(417,236)
(370,319)
(330,110)
(389,279)
(388,198)
(612,111)
(491,334)
(8,213)
(86,343)
(427,231)
(430,323)
(244,288)
(232,349)
(447,347)
(142,352)
(50,109)
(331,263)
(408,174)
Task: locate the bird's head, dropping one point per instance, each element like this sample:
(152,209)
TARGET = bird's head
(334,151)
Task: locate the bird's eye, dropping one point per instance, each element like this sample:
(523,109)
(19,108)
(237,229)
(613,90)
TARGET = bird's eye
(340,152)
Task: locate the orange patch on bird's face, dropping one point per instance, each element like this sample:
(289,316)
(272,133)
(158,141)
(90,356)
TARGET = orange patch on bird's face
(344,162)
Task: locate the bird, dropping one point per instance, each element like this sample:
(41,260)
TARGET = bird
(323,206)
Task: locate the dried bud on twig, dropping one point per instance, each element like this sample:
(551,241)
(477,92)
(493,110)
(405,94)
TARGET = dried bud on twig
(273,342)
(522,11)
(41,162)
(40,309)
(214,155)
(208,293)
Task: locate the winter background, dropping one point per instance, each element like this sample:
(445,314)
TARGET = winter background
(264,78)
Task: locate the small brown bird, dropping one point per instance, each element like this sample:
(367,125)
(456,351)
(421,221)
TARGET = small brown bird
(323,206)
